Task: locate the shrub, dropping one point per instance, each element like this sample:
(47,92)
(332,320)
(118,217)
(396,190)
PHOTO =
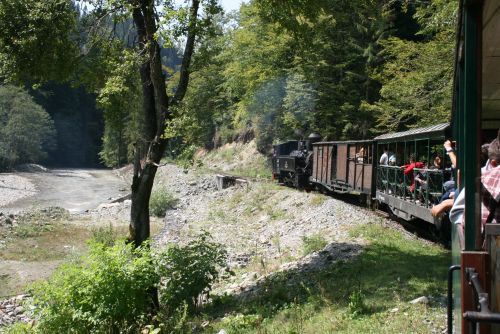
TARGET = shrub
(314,243)
(103,292)
(161,200)
(110,289)
(190,271)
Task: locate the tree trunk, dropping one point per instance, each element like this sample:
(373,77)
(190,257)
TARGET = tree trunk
(155,107)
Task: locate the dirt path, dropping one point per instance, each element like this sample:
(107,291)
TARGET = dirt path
(76,190)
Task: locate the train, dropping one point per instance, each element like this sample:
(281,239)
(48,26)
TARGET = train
(355,167)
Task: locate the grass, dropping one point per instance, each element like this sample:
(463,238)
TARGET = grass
(313,243)
(368,294)
(40,240)
(250,163)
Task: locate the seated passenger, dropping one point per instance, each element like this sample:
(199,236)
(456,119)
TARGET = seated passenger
(384,158)
(392,160)
(421,183)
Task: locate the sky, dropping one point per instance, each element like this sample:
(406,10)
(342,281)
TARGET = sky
(230,4)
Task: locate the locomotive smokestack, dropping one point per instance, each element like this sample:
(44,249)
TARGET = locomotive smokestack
(313,138)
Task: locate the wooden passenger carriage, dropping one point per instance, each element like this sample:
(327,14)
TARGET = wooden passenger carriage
(344,167)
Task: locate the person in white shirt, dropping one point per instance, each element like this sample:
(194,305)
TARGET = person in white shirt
(384,159)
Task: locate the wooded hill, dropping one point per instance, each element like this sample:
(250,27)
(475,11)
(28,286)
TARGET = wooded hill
(274,70)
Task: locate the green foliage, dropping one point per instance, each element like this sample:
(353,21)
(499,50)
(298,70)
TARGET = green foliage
(120,98)
(190,271)
(106,291)
(417,75)
(26,130)
(357,306)
(109,290)
(19,328)
(313,243)
(161,200)
(239,322)
(37,40)
(104,235)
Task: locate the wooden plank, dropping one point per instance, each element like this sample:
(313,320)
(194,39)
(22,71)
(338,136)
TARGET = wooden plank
(341,162)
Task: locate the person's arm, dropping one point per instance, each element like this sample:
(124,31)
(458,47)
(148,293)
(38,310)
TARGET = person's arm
(408,168)
(451,153)
(441,207)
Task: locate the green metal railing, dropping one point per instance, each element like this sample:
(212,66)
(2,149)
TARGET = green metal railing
(392,180)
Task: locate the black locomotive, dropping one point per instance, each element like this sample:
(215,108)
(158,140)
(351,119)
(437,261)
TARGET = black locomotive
(292,161)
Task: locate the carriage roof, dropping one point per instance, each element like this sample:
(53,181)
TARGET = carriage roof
(429,132)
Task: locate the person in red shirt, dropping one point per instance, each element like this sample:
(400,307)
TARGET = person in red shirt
(408,170)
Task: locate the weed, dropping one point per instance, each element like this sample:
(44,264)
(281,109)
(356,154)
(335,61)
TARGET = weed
(313,243)
(104,235)
(357,306)
(237,323)
(317,200)
(276,213)
(161,201)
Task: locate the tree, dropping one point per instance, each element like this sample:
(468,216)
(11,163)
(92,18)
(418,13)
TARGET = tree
(26,130)
(24,35)
(417,74)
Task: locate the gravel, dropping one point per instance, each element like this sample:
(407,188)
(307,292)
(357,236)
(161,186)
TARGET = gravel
(251,233)
(14,187)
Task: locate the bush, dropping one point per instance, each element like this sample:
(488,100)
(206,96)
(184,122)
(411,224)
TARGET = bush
(104,292)
(104,235)
(190,271)
(110,289)
(314,243)
(161,200)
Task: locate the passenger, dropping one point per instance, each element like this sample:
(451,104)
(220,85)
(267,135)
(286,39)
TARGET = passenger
(408,170)
(384,158)
(485,161)
(421,183)
(360,155)
(392,160)
(490,190)
(446,201)
(437,163)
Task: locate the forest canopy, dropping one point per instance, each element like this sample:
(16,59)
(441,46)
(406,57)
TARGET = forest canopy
(274,70)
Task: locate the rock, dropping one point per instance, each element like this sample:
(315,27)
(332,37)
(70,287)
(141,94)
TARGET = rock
(222,331)
(394,310)
(420,300)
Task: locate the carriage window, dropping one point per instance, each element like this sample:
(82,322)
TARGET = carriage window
(363,154)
